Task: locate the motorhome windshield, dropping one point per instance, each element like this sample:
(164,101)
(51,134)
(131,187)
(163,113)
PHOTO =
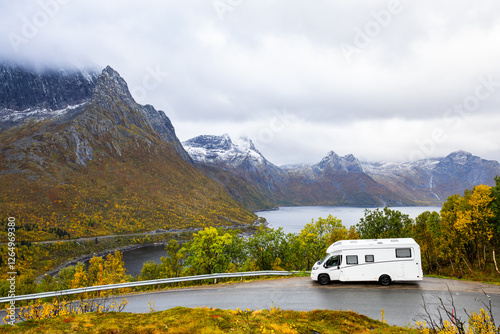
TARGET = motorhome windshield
(334,260)
(330,260)
(323,261)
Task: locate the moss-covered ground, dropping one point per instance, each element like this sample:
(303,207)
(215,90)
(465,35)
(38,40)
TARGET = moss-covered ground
(205,320)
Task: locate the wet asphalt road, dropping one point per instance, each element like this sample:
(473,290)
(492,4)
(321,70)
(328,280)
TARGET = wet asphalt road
(402,302)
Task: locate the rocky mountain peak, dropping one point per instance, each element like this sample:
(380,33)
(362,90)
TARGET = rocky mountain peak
(461,158)
(211,142)
(112,102)
(110,81)
(347,163)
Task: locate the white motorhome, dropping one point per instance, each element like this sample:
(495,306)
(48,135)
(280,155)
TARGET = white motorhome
(382,260)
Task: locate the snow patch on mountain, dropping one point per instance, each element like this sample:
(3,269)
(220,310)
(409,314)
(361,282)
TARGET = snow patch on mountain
(15,116)
(392,168)
(222,150)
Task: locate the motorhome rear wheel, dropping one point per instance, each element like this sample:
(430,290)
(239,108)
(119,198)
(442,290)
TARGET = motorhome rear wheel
(385,280)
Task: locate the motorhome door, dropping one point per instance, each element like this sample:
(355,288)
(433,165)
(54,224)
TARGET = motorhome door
(332,266)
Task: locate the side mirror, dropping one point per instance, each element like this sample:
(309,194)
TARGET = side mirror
(338,267)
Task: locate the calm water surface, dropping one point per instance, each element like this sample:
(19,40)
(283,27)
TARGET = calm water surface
(291,219)
(135,258)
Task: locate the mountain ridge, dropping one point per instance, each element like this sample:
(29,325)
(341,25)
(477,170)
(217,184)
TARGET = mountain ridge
(337,180)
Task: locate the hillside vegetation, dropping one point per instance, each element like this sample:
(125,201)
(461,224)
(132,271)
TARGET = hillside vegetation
(203,320)
(109,196)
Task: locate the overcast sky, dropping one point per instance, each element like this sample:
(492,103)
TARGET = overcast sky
(383,80)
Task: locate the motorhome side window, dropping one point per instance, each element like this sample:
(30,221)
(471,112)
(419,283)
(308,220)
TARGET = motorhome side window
(351,259)
(369,258)
(332,261)
(403,252)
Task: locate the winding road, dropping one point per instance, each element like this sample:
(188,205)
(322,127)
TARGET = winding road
(402,302)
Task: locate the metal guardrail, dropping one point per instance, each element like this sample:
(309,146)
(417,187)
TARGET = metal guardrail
(143,283)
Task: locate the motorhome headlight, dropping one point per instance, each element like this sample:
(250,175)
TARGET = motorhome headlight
(315,268)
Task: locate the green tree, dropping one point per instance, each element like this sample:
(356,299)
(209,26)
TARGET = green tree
(150,270)
(47,284)
(427,234)
(208,251)
(27,284)
(317,236)
(269,249)
(171,265)
(495,207)
(237,251)
(385,223)
(64,278)
(451,245)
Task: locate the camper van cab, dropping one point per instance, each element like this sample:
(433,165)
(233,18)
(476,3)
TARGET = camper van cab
(382,260)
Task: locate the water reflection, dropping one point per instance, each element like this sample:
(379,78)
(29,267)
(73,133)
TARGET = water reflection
(135,258)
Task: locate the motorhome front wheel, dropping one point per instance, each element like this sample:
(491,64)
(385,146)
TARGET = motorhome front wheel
(324,279)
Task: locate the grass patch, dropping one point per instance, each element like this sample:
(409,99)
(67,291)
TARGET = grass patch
(206,320)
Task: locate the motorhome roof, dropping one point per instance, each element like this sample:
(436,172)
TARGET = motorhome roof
(369,243)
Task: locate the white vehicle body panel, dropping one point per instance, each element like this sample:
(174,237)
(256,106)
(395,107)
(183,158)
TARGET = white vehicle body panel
(369,260)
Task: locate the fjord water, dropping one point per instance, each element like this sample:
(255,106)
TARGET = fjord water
(291,219)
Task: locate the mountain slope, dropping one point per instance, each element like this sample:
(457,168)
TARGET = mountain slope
(106,165)
(337,180)
(239,167)
(434,180)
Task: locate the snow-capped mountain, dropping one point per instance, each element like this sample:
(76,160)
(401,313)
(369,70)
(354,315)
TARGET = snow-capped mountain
(71,118)
(334,180)
(237,165)
(433,180)
(223,151)
(338,180)
(332,162)
(238,156)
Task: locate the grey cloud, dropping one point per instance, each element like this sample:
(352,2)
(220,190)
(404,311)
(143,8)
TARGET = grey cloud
(265,55)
